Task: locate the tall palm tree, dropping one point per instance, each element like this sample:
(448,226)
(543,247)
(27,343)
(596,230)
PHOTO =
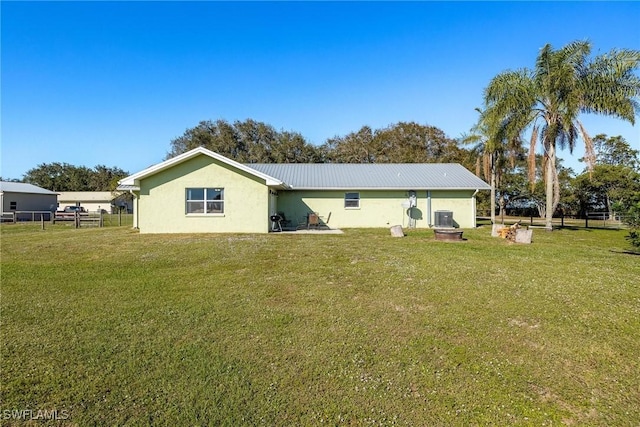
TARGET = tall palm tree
(549,99)
(494,152)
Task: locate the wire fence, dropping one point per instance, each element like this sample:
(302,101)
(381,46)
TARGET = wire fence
(590,220)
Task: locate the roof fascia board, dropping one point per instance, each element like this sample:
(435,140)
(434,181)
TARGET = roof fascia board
(388,188)
(136,177)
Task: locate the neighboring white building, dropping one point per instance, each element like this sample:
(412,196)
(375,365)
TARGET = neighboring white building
(93,201)
(20,197)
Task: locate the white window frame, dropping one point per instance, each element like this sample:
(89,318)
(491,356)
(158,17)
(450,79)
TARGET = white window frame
(206,200)
(350,200)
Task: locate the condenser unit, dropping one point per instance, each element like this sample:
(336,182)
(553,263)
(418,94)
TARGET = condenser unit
(444,219)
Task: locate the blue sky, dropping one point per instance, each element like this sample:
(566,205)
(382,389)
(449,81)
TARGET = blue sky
(113,83)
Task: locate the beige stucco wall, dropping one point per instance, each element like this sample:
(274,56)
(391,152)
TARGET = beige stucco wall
(378,208)
(161,206)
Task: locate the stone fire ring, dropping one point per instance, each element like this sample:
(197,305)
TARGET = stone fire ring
(448,235)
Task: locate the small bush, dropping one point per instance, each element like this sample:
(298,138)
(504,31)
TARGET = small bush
(633,220)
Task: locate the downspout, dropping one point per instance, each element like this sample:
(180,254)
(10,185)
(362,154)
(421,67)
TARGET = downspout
(429,208)
(135,209)
(474,213)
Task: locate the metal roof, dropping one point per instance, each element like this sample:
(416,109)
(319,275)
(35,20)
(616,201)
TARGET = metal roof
(336,176)
(20,187)
(86,196)
(344,176)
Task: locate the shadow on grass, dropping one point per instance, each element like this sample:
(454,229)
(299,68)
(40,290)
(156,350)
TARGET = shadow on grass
(580,228)
(625,252)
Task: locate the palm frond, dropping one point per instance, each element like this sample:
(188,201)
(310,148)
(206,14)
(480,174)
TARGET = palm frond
(611,86)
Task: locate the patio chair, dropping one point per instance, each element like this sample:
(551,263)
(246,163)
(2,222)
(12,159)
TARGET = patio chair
(309,220)
(284,222)
(313,220)
(324,223)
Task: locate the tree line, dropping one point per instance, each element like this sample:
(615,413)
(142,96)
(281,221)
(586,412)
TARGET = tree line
(65,177)
(256,142)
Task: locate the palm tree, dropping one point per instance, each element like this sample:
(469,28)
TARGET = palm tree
(549,99)
(492,150)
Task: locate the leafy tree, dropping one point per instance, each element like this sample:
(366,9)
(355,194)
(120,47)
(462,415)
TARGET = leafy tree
(615,179)
(291,147)
(246,142)
(550,98)
(632,219)
(65,177)
(410,142)
(615,150)
(403,142)
(355,147)
(105,178)
(608,185)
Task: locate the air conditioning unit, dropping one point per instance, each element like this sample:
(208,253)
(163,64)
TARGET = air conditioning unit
(444,219)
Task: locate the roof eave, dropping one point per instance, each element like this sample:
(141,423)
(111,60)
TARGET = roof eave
(404,188)
(134,180)
(128,188)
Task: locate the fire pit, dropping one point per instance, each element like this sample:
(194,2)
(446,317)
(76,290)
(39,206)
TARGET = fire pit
(449,235)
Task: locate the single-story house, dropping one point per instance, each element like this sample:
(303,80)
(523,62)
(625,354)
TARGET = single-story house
(21,197)
(203,191)
(94,201)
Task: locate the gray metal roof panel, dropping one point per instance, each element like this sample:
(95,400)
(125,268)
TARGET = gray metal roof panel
(21,187)
(415,176)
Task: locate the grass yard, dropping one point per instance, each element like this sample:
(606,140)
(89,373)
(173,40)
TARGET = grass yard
(110,327)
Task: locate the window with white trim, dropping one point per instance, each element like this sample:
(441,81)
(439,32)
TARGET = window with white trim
(351,200)
(205,201)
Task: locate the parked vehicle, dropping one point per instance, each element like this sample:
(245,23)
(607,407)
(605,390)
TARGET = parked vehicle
(74,209)
(69,213)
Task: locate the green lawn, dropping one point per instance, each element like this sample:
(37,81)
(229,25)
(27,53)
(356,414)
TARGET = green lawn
(117,328)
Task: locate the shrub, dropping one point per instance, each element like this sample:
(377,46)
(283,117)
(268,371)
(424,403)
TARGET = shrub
(632,219)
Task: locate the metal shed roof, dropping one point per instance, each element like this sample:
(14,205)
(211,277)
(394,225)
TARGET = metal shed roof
(20,187)
(86,196)
(344,176)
